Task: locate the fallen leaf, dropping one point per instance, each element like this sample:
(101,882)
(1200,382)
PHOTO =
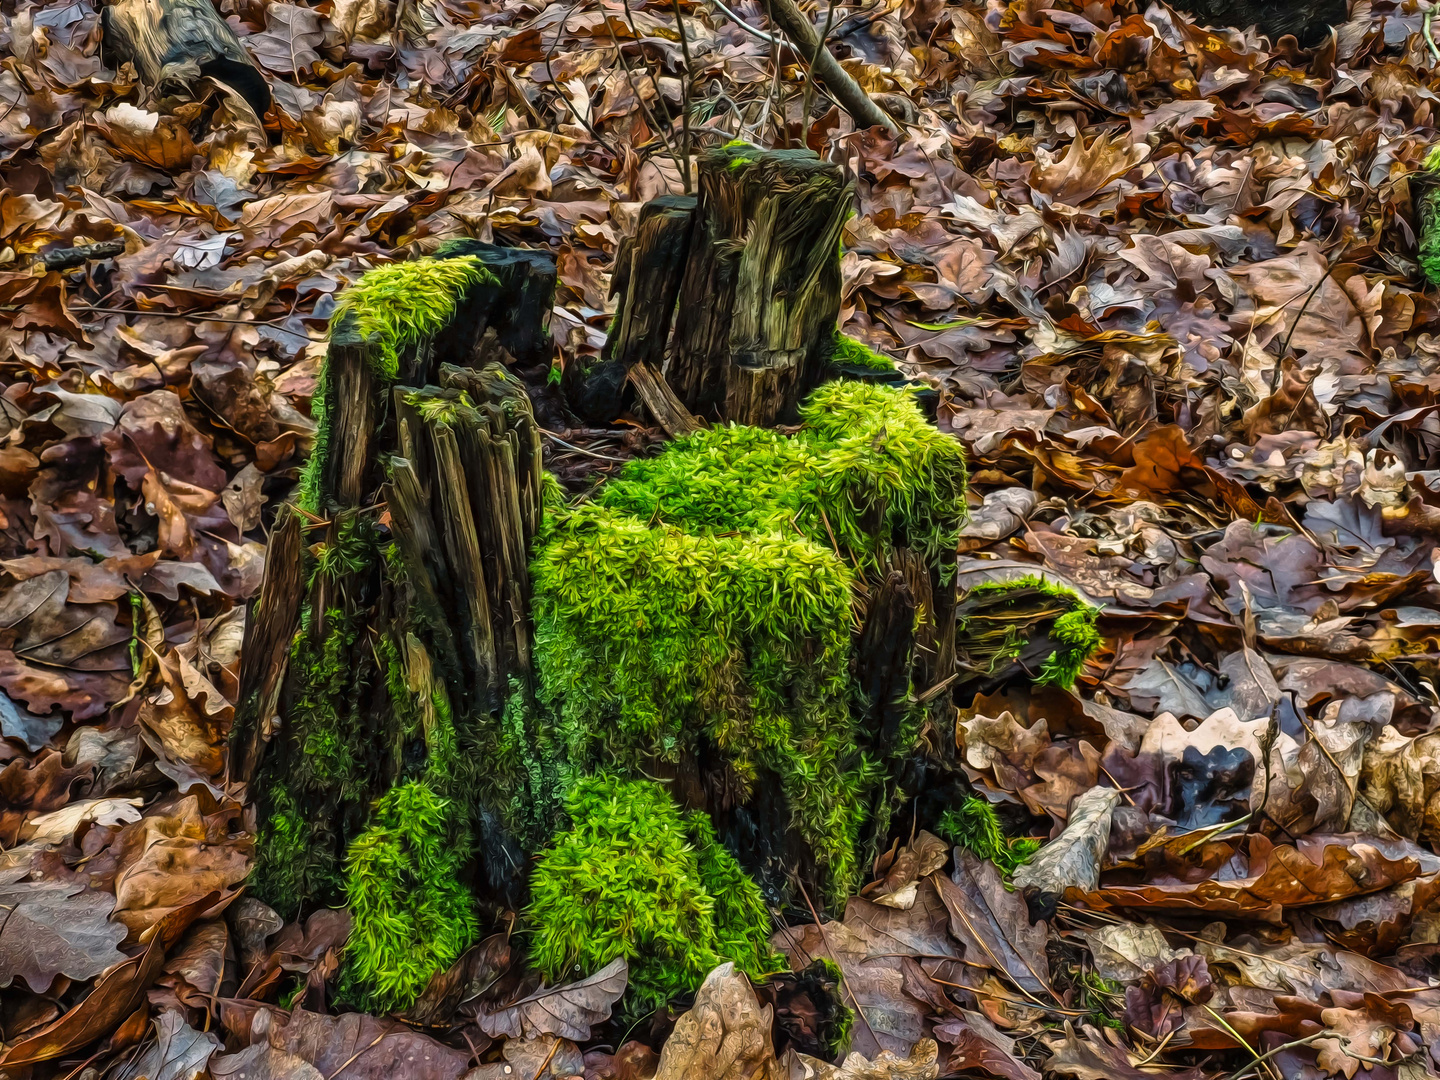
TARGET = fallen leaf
(568,1011)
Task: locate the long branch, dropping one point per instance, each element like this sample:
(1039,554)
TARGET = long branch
(845,90)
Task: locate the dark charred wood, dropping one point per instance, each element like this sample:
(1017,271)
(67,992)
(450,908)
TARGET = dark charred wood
(515,309)
(173,44)
(646,280)
(883,652)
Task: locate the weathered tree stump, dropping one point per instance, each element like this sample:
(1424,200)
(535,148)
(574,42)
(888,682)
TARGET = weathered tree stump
(174,43)
(761,291)
(397,638)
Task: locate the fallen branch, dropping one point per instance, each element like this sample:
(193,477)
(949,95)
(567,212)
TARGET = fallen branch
(845,90)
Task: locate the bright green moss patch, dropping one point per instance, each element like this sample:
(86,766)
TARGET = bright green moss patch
(853,353)
(650,639)
(1429,207)
(998,619)
(974,826)
(411,915)
(705,599)
(405,302)
(630,879)
(867,473)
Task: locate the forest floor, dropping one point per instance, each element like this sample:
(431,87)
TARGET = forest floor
(1166,280)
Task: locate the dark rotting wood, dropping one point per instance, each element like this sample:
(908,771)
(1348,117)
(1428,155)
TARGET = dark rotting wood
(648,267)
(761,291)
(512,314)
(654,260)
(353,415)
(1309,20)
(175,43)
(883,652)
(661,402)
(269,629)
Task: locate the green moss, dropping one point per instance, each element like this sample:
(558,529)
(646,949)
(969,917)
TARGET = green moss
(997,619)
(740,915)
(867,473)
(625,880)
(974,826)
(403,303)
(882,460)
(854,353)
(649,640)
(285,872)
(705,600)
(412,916)
(1428,197)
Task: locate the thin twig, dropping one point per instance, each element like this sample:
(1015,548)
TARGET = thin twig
(743,25)
(550,77)
(580,449)
(684,94)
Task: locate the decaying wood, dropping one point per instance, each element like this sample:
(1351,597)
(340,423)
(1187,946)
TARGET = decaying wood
(649,283)
(883,655)
(461,484)
(761,291)
(269,629)
(667,409)
(787,15)
(173,44)
(646,281)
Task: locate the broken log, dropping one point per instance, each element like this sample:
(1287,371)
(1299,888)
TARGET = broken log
(175,43)
(761,290)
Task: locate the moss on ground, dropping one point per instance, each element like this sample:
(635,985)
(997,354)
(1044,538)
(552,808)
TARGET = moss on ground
(632,877)
(853,353)
(974,826)
(999,618)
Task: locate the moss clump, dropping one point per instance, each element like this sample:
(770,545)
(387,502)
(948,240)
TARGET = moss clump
(999,622)
(630,879)
(395,306)
(403,303)
(974,826)
(1428,191)
(649,640)
(412,916)
(852,353)
(867,473)
(705,599)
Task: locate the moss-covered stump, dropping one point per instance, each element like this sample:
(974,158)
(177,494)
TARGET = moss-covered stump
(405,618)
(699,614)
(711,668)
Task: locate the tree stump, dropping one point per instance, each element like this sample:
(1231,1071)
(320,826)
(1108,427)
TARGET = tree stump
(434,664)
(395,640)
(761,289)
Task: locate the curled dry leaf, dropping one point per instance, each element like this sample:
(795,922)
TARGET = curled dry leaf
(1072,860)
(568,1011)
